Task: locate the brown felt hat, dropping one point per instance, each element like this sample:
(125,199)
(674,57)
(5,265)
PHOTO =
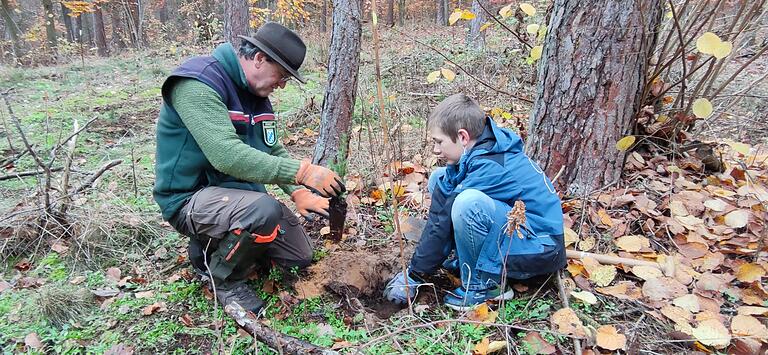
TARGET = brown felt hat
(282,45)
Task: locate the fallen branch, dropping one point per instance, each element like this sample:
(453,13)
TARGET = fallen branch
(275,340)
(668,268)
(28,173)
(88,183)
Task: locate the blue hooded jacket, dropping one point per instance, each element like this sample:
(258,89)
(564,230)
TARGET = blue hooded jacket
(498,167)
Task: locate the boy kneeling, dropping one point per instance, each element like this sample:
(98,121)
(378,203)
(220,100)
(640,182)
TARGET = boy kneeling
(486,173)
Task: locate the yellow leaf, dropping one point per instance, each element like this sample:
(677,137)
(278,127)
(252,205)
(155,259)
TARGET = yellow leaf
(609,338)
(433,76)
(536,52)
(528,9)
(624,143)
(669,15)
(712,333)
(455,16)
(496,345)
(707,43)
(570,236)
(485,26)
(532,28)
(603,275)
(506,115)
(448,74)
(496,112)
(633,243)
(482,347)
(542,31)
(605,218)
(506,11)
(585,296)
(749,272)
(723,50)
(702,108)
(737,218)
(740,148)
(467,15)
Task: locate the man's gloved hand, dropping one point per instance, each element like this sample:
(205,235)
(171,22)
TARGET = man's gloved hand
(307,202)
(320,179)
(395,290)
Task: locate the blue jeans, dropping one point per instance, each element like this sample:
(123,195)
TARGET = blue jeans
(475,216)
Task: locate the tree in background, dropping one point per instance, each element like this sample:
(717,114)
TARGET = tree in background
(50,25)
(99,34)
(441,12)
(476,37)
(339,100)
(236,20)
(593,67)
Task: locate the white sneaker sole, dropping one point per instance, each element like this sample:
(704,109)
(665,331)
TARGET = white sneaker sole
(504,296)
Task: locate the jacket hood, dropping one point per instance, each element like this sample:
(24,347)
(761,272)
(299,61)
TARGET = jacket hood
(225,54)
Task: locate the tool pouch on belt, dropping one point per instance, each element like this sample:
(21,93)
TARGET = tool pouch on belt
(235,248)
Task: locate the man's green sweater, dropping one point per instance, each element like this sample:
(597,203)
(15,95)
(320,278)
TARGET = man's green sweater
(204,117)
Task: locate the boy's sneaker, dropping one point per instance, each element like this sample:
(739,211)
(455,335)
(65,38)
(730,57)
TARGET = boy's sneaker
(463,300)
(240,292)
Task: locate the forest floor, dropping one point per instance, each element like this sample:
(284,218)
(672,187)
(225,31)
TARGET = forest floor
(117,281)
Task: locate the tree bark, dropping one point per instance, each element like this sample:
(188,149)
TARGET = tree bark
(118,25)
(50,26)
(592,71)
(98,32)
(401,13)
(339,100)
(441,13)
(71,33)
(236,22)
(13,30)
(390,13)
(476,38)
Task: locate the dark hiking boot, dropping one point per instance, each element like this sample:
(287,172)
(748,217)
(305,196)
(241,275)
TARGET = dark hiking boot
(240,292)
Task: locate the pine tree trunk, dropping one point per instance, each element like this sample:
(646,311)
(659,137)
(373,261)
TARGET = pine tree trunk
(236,17)
(10,25)
(476,38)
(592,71)
(50,26)
(71,36)
(390,13)
(339,100)
(86,24)
(98,32)
(401,13)
(118,25)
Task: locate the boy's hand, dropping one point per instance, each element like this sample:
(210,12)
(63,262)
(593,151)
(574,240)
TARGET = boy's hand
(395,290)
(320,179)
(307,202)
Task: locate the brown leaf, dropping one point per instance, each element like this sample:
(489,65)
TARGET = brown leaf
(482,313)
(22,265)
(688,302)
(646,272)
(605,218)
(535,344)
(153,308)
(676,314)
(59,247)
(663,288)
(755,295)
(32,340)
(609,338)
(693,250)
(566,321)
(113,274)
(748,326)
(633,243)
(482,347)
(186,319)
(4,286)
(624,290)
(145,294)
(712,332)
(752,310)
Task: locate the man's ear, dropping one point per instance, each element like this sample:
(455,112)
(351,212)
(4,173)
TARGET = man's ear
(259,59)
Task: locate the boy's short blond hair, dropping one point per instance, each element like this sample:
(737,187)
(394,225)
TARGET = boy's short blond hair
(457,112)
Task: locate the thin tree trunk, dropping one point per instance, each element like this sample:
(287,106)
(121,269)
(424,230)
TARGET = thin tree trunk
(592,70)
(476,38)
(50,25)
(441,13)
(236,16)
(339,100)
(13,30)
(401,13)
(86,25)
(71,36)
(98,32)
(324,17)
(118,26)
(390,13)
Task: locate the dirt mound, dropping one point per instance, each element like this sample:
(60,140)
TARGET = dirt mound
(353,273)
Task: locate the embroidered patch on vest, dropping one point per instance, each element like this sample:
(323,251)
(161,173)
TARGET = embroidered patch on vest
(270,132)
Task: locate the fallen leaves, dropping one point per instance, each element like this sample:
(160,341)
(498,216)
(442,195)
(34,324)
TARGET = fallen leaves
(712,332)
(33,341)
(663,288)
(609,338)
(749,272)
(486,346)
(565,321)
(633,243)
(585,296)
(154,308)
(737,219)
